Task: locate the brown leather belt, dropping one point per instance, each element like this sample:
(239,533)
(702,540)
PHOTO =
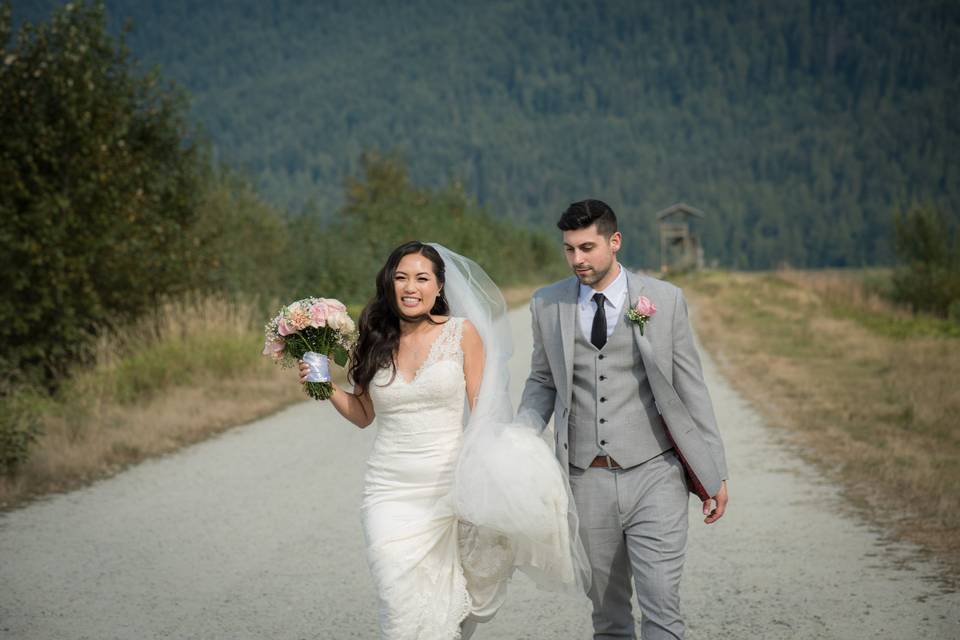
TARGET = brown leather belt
(606,462)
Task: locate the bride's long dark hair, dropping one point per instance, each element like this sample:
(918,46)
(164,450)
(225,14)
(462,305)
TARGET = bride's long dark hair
(379,325)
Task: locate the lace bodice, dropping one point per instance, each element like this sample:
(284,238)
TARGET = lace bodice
(434,397)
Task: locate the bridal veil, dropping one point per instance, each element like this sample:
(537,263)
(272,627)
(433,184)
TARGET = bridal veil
(509,486)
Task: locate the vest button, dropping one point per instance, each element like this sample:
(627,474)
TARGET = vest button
(603,377)
(603,442)
(603,420)
(600,356)
(603,399)
(564,445)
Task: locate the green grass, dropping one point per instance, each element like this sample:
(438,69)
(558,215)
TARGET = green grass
(20,415)
(140,374)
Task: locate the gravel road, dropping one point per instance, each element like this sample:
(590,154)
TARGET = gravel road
(255,534)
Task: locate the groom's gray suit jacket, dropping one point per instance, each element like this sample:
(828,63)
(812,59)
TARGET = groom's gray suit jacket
(668,362)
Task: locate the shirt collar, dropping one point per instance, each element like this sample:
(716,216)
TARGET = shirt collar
(614,293)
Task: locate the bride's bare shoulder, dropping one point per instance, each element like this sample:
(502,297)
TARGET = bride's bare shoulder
(469,334)
(470,343)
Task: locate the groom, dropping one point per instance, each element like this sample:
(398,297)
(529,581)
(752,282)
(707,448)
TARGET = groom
(634,423)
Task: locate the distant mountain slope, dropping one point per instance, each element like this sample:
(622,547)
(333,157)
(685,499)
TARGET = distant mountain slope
(796,126)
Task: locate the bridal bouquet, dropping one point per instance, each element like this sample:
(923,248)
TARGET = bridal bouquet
(312,330)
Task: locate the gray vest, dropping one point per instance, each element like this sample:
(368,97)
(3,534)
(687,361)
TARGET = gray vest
(613,410)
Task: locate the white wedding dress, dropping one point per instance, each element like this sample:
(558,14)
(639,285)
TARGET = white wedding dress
(455,500)
(421,556)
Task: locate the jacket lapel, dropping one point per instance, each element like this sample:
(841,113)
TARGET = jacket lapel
(568,323)
(634,291)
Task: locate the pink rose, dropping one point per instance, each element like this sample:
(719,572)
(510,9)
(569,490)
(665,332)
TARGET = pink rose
(645,307)
(273,348)
(318,314)
(284,328)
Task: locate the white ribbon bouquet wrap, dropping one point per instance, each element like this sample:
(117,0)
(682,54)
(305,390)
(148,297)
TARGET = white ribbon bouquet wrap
(318,367)
(311,329)
(509,485)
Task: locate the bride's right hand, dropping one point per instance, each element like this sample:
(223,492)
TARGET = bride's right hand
(304,370)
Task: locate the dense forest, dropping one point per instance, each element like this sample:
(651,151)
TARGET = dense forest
(798,127)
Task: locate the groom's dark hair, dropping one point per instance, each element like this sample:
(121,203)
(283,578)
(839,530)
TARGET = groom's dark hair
(581,215)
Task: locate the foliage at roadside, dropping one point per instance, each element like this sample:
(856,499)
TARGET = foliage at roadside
(148,391)
(21,409)
(928,278)
(99,188)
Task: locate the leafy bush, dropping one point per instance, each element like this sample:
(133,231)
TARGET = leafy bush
(98,189)
(19,427)
(929,277)
(954,311)
(243,241)
(383,209)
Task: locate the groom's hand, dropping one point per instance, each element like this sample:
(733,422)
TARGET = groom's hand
(714,507)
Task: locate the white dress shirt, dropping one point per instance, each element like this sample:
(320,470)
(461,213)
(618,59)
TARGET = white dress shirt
(614,296)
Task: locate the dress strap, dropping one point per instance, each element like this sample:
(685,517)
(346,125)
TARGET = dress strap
(448,342)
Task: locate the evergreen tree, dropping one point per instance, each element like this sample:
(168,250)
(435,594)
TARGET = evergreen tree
(928,278)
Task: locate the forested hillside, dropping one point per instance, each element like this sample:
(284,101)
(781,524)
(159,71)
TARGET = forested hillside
(798,127)
(110,210)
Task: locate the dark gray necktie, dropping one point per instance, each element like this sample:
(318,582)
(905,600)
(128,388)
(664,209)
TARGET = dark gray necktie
(598,334)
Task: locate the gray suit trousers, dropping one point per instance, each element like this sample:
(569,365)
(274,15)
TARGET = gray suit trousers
(634,522)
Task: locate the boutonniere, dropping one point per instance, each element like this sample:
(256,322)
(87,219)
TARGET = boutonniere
(641,312)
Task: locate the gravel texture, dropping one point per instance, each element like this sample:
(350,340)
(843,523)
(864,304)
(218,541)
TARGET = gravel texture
(255,534)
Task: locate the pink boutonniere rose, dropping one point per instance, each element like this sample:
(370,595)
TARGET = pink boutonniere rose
(641,312)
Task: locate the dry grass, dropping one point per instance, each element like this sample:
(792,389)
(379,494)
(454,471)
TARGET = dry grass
(519,295)
(864,296)
(124,435)
(844,287)
(194,371)
(874,408)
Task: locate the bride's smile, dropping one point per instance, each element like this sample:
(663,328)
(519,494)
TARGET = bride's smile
(415,286)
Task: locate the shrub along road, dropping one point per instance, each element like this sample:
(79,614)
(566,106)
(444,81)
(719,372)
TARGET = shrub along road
(256,534)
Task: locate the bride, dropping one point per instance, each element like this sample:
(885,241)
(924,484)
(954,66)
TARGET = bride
(457,492)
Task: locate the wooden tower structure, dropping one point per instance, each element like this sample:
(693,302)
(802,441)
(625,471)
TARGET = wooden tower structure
(680,248)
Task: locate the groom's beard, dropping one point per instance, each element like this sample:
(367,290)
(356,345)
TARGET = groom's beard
(590,276)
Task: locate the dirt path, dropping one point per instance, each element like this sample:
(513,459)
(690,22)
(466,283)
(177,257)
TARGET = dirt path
(255,534)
